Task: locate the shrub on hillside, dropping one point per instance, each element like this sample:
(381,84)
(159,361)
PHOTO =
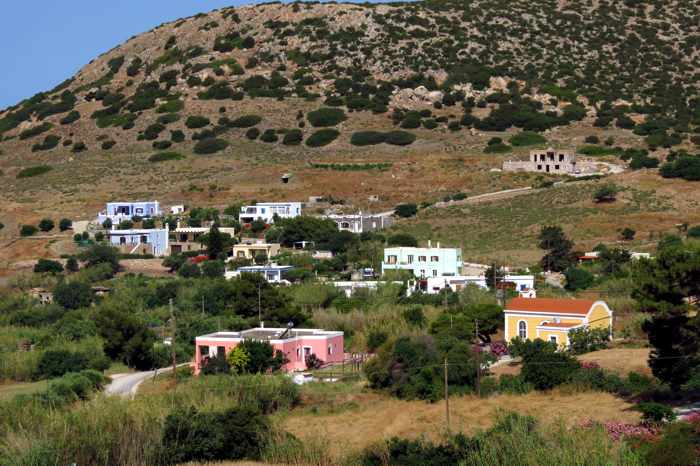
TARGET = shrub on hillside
(65,224)
(27,230)
(35,130)
(33,171)
(71,388)
(55,363)
(177,136)
(406,210)
(168,118)
(161,145)
(107,145)
(527,138)
(326,116)
(543,366)
(367,138)
(172,106)
(252,134)
(50,142)
(322,137)
(269,135)
(293,137)
(48,266)
(165,156)
(245,121)
(46,224)
(233,434)
(210,146)
(70,118)
(72,295)
(195,122)
(79,147)
(578,279)
(399,138)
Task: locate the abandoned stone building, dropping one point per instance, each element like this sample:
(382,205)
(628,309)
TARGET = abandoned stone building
(556,162)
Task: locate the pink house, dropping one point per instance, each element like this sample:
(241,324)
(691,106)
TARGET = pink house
(296,344)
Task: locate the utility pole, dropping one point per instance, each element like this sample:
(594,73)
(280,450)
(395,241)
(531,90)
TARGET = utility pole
(172,340)
(478,359)
(259,307)
(447,400)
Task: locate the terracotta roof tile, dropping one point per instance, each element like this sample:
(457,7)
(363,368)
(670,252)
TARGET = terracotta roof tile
(560,324)
(562,306)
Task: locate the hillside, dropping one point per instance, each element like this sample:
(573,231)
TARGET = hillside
(213,108)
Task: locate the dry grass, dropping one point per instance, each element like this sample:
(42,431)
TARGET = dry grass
(378,417)
(621,360)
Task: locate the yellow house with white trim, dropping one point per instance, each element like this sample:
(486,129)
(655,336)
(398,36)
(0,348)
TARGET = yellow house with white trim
(552,319)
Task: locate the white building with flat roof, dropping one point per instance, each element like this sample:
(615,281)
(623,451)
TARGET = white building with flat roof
(266,211)
(424,262)
(521,283)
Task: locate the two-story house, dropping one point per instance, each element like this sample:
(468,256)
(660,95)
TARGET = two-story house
(424,262)
(155,241)
(266,211)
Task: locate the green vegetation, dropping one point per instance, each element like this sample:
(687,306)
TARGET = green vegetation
(326,116)
(210,146)
(165,157)
(527,138)
(367,138)
(322,137)
(72,117)
(49,143)
(352,166)
(33,171)
(245,121)
(194,122)
(35,130)
(172,106)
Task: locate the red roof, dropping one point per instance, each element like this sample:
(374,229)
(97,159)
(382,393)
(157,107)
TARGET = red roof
(557,306)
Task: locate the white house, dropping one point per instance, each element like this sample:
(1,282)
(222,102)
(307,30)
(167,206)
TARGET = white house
(360,223)
(119,211)
(266,211)
(524,284)
(424,262)
(177,209)
(272,273)
(155,241)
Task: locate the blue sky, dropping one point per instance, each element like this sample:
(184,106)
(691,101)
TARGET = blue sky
(43,42)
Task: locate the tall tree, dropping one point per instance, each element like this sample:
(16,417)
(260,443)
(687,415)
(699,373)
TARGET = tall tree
(665,287)
(559,255)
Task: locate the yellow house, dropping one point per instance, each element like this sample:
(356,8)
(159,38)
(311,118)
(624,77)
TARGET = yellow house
(552,319)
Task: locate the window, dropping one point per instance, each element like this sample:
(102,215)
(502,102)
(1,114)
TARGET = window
(422,273)
(553,338)
(434,259)
(561,157)
(539,167)
(421,258)
(220,351)
(556,167)
(391,259)
(122,240)
(522,329)
(139,210)
(434,273)
(330,349)
(409,259)
(298,354)
(144,239)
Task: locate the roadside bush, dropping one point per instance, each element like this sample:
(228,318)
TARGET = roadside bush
(233,434)
(210,146)
(195,122)
(165,156)
(46,224)
(55,363)
(326,116)
(322,137)
(72,387)
(33,171)
(48,266)
(27,230)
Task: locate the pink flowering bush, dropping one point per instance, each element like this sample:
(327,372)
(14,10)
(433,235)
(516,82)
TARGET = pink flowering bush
(499,348)
(590,365)
(619,430)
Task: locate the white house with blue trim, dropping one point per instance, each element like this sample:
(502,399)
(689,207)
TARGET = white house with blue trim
(266,211)
(424,262)
(119,211)
(155,241)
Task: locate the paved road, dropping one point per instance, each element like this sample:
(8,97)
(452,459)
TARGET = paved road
(126,385)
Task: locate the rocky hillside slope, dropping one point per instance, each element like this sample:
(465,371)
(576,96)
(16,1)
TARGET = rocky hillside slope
(488,65)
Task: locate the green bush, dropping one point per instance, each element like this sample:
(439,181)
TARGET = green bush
(165,156)
(79,147)
(543,366)
(65,224)
(152,131)
(50,142)
(514,384)
(210,146)
(195,122)
(412,120)
(578,279)
(326,116)
(293,137)
(177,136)
(367,138)
(694,231)
(34,131)
(171,106)
(33,171)
(72,295)
(527,138)
(399,138)
(245,121)
(27,230)
(233,434)
(252,134)
(269,135)
(406,210)
(55,363)
(47,266)
(656,413)
(46,224)
(70,118)
(107,145)
(322,137)
(584,339)
(162,145)
(168,118)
